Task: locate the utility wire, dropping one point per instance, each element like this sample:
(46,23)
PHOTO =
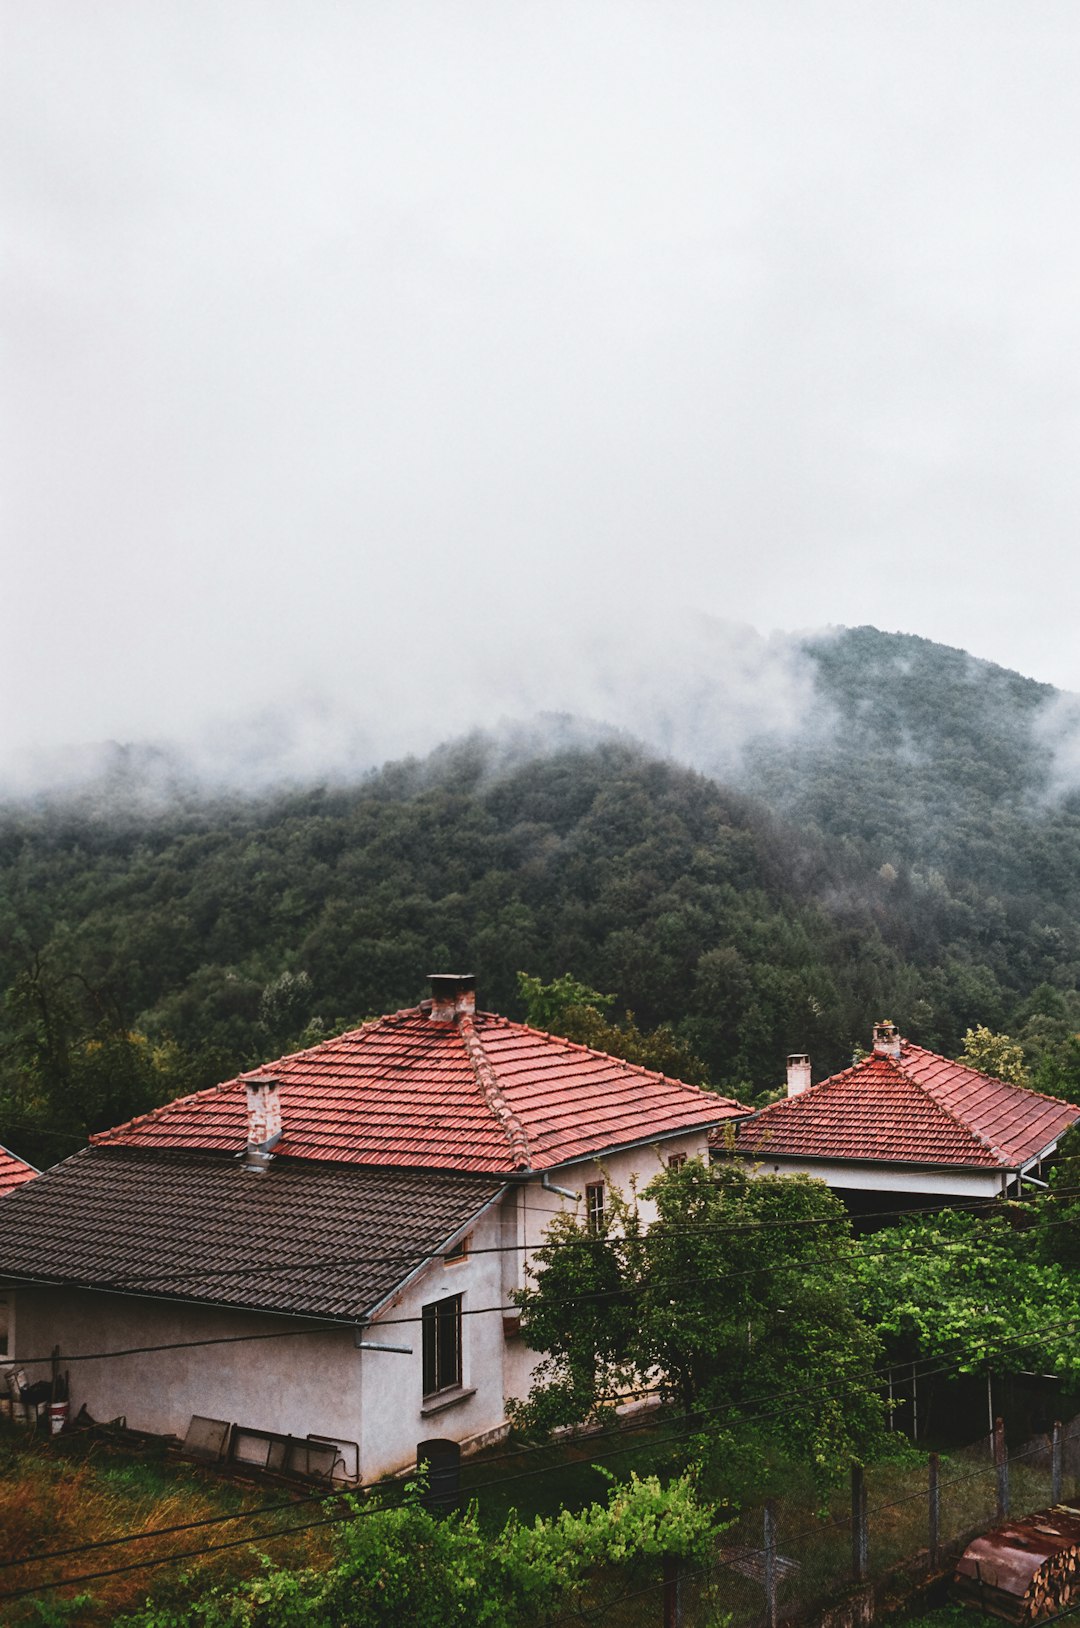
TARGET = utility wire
(499,1481)
(512,1307)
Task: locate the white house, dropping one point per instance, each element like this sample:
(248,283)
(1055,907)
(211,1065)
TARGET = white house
(905,1128)
(326,1250)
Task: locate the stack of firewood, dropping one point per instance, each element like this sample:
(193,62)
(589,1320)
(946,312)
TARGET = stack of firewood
(1025,1571)
(1055,1586)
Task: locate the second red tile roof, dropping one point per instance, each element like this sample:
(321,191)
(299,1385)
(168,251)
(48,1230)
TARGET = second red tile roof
(407,1092)
(918,1108)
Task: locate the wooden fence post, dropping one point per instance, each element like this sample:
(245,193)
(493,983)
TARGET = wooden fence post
(1001,1461)
(1056,1464)
(934,1544)
(770,1563)
(859,1537)
(671,1592)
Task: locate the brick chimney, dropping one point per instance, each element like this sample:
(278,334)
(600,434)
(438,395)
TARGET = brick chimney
(887,1041)
(263,1122)
(453,995)
(798,1074)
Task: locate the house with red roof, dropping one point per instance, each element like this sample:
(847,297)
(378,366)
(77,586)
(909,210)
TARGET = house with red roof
(905,1128)
(315,1261)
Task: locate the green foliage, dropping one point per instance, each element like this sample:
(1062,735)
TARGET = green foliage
(740,1292)
(573,1010)
(994,1054)
(403,1565)
(547,1006)
(983,1292)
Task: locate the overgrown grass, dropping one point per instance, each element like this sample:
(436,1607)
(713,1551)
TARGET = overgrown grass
(56,1495)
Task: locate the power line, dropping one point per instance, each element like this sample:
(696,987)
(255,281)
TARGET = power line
(499,1481)
(321,1327)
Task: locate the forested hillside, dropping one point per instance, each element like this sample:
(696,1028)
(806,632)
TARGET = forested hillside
(902,860)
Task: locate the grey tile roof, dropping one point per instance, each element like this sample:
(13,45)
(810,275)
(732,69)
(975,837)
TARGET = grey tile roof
(313,1239)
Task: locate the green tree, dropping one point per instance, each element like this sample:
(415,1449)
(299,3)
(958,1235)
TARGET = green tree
(741,1292)
(396,1566)
(573,1010)
(994,1054)
(978,1292)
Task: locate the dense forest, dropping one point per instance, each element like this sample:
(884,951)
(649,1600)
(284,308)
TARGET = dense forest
(903,857)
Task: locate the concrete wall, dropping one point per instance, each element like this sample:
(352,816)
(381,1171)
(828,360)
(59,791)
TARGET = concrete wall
(535,1205)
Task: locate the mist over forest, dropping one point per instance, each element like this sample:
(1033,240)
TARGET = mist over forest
(826,831)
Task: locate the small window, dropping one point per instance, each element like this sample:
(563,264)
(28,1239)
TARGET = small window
(5,1324)
(676,1161)
(594,1205)
(458,1252)
(442,1344)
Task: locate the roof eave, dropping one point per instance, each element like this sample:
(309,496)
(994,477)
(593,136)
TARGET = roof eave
(762,1154)
(57,1282)
(639,1142)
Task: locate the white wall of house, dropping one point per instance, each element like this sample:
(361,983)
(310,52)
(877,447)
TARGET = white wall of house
(319,1382)
(863,1176)
(297,1384)
(535,1206)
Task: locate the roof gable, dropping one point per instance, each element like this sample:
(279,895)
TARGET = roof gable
(482,1094)
(917,1108)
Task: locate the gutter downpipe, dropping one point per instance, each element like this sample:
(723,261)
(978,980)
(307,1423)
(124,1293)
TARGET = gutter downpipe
(563,1192)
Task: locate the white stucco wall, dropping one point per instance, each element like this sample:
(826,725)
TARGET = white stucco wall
(319,1382)
(294,1384)
(536,1205)
(862,1176)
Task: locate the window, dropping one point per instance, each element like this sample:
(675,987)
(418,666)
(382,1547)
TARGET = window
(442,1344)
(594,1205)
(5,1324)
(458,1252)
(676,1161)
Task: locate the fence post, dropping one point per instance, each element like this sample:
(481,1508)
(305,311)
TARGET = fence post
(1001,1461)
(859,1545)
(770,1563)
(1056,1464)
(671,1592)
(934,1545)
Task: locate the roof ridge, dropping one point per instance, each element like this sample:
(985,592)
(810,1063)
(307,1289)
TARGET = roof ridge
(962,1124)
(486,1079)
(20,1160)
(924,1086)
(994,1079)
(879,1059)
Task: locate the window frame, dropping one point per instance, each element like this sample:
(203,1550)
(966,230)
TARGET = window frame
(595,1205)
(441,1346)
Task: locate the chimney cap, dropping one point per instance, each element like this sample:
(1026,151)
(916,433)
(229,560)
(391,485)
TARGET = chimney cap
(887,1039)
(453,995)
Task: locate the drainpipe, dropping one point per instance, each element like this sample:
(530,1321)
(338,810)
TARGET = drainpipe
(563,1192)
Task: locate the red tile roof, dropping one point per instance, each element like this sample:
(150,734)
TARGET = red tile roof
(918,1108)
(479,1094)
(13,1171)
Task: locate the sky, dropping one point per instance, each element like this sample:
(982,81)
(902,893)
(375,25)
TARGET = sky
(373,370)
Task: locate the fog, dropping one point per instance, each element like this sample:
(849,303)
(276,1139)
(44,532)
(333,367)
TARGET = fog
(374,372)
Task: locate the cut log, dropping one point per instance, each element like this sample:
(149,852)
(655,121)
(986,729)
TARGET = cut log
(1023,1571)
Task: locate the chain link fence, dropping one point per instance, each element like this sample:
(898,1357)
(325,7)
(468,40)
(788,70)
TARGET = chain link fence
(896,1526)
